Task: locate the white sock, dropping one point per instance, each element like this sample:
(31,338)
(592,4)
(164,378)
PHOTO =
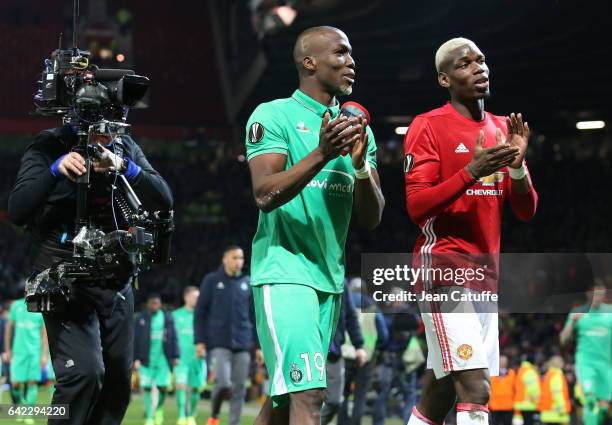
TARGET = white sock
(472,414)
(417,418)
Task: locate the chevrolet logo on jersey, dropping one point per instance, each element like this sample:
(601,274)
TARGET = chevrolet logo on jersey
(491,179)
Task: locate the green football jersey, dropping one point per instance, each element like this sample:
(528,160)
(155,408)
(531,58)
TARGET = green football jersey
(27,329)
(303,240)
(593,333)
(183,321)
(156,351)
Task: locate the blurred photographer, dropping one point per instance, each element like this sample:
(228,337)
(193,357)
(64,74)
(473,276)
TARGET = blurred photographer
(91,341)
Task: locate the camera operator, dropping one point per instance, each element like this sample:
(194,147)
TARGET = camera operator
(91,342)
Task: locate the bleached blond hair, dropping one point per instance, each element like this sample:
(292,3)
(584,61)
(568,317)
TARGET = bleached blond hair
(447,47)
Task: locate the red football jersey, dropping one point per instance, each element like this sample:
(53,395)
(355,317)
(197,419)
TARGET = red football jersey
(456,213)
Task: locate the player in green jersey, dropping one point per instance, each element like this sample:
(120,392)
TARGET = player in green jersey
(3,320)
(26,353)
(155,353)
(306,191)
(190,374)
(592,324)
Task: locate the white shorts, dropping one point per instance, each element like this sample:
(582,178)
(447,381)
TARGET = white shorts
(461,341)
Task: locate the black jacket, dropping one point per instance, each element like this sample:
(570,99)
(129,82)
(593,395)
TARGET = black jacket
(224,315)
(347,322)
(402,325)
(47,205)
(142,338)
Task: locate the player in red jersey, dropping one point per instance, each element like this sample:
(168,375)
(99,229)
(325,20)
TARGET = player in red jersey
(461,164)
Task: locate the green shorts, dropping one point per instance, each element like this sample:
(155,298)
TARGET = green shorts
(26,367)
(191,372)
(157,374)
(295,325)
(595,378)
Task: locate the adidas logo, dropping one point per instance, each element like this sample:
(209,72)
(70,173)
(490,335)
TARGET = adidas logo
(461,148)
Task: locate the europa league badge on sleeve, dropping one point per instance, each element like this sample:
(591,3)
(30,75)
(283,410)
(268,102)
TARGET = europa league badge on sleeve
(408,163)
(256,132)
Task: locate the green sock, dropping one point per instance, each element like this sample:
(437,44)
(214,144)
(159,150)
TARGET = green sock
(590,411)
(147,403)
(161,397)
(603,415)
(32,393)
(17,394)
(181,401)
(193,402)
(51,390)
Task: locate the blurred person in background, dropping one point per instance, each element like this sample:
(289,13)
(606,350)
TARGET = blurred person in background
(190,373)
(555,404)
(501,402)
(224,331)
(402,324)
(592,325)
(2,363)
(375,334)
(156,352)
(348,323)
(25,340)
(527,391)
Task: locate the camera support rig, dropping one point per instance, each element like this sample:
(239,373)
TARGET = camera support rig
(99,256)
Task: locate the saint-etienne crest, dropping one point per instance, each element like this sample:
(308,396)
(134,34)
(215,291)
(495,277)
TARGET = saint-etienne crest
(295,374)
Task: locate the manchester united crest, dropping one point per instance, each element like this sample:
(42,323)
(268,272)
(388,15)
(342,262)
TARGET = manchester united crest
(465,351)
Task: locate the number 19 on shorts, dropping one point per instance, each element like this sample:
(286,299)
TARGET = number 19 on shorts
(318,361)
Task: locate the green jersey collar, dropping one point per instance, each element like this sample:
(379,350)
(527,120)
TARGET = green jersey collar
(314,106)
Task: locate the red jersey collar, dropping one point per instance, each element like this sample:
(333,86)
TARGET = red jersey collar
(449,107)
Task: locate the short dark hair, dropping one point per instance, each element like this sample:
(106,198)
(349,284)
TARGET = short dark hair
(189,289)
(230,248)
(153,295)
(597,283)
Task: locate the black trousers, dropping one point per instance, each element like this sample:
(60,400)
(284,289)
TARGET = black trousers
(528,417)
(92,349)
(501,417)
